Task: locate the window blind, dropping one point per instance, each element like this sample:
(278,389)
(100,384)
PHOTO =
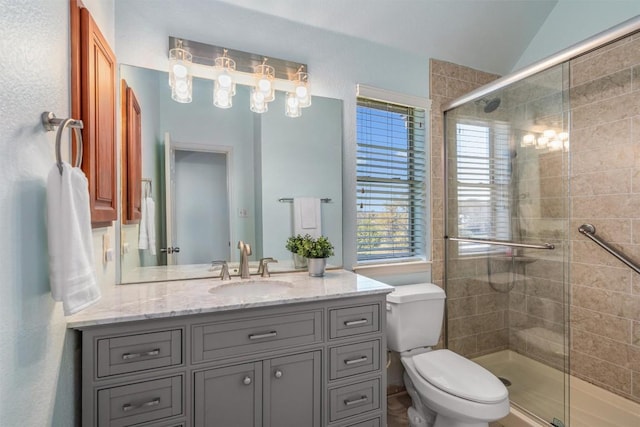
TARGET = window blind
(390,180)
(483,170)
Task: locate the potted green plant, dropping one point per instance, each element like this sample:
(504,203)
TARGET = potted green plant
(293,245)
(316,250)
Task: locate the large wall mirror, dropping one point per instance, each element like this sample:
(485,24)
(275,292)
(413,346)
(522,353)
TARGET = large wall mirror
(212,177)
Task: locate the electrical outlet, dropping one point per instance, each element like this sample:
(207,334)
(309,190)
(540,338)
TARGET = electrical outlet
(243,213)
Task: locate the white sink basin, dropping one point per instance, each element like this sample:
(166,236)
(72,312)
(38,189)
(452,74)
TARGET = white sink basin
(252,287)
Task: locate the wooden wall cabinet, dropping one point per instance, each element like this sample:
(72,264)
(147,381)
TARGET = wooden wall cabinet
(131,156)
(93,95)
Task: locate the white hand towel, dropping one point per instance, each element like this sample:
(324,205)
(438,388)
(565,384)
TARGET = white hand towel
(72,274)
(147,237)
(307,216)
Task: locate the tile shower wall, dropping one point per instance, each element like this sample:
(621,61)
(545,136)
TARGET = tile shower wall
(605,191)
(477,314)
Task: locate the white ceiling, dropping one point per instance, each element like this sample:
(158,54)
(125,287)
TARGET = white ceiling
(490,35)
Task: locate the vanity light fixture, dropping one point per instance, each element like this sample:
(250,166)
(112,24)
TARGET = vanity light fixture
(224,86)
(548,140)
(180,79)
(230,67)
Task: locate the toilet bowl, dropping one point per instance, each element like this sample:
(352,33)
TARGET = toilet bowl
(446,389)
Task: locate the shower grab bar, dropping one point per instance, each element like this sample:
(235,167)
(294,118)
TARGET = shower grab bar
(503,243)
(590,231)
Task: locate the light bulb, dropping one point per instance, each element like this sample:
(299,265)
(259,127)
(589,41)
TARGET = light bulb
(292,107)
(301,91)
(257,102)
(563,136)
(549,133)
(180,71)
(528,140)
(264,85)
(225,80)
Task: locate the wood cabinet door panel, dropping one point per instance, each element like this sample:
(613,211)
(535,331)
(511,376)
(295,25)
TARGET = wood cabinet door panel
(98,71)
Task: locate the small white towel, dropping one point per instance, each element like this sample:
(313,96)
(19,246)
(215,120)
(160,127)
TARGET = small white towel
(72,274)
(307,216)
(147,237)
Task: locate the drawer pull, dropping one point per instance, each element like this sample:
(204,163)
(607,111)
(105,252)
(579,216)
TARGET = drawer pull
(246,380)
(349,323)
(129,356)
(362,399)
(262,336)
(356,361)
(129,407)
(277,373)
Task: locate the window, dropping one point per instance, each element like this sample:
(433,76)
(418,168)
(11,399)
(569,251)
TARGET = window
(390,180)
(483,183)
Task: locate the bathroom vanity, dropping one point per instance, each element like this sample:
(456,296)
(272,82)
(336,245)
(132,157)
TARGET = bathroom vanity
(303,352)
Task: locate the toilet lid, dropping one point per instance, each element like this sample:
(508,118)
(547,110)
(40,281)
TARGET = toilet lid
(461,377)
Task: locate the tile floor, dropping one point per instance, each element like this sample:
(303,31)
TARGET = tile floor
(397,405)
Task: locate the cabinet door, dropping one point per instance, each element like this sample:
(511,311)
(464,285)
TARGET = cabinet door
(229,397)
(98,91)
(292,391)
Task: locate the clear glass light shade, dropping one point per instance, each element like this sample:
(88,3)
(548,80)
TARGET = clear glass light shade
(292,106)
(222,96)
(258,104)
(555,145)
(182,90)
(265,75)
(225,67)
(180,62)
(303,92)
(180,78)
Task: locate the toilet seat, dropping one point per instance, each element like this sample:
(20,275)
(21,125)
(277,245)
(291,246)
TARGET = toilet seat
(460,377)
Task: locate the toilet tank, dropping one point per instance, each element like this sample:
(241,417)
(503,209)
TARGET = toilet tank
(414,316)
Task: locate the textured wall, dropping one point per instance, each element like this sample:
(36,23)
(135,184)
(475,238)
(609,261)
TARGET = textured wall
(477,321)
(37,351)
(605,191)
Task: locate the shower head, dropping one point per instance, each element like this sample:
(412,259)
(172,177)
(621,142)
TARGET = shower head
(490,105)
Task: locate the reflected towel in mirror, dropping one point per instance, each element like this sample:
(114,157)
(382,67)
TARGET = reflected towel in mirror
(307,216)
(147,238)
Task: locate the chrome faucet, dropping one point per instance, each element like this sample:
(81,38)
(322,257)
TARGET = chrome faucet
(245,251)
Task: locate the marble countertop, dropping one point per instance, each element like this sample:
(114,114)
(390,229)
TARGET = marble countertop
(141,301)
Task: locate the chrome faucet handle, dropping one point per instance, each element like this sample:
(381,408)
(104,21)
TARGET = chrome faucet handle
(224,272)
(263,267)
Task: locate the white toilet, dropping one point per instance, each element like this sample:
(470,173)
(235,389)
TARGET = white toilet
(446,389)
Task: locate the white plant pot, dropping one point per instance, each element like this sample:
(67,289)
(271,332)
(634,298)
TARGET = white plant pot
(316,266)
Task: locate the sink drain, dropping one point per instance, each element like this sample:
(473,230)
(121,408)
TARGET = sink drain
(505,381)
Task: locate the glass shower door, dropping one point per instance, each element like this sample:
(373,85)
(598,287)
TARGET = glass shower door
(506,257)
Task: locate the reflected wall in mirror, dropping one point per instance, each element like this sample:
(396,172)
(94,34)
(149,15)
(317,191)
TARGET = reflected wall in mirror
(217,176)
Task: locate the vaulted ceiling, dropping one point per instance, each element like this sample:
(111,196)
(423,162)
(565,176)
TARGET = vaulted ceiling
(486,34)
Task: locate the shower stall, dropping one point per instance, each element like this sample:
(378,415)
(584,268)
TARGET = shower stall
(524,167)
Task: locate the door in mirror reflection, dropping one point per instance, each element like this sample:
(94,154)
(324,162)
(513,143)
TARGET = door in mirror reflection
(200,207)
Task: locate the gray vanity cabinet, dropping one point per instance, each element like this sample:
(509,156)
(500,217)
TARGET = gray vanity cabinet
(315,364)
(229,396)
(278,392)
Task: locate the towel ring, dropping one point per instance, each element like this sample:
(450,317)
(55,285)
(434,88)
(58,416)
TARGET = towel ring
(50,122)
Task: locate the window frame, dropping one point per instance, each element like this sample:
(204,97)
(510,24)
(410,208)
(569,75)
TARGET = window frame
(417,245)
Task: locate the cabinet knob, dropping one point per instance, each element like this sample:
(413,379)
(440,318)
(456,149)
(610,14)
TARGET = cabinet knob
(246,380)
(277,373)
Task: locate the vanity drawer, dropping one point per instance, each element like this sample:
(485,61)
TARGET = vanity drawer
(140,402)
(344,322)
(354,399)
(139,352)
(352,359)
(234,338)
